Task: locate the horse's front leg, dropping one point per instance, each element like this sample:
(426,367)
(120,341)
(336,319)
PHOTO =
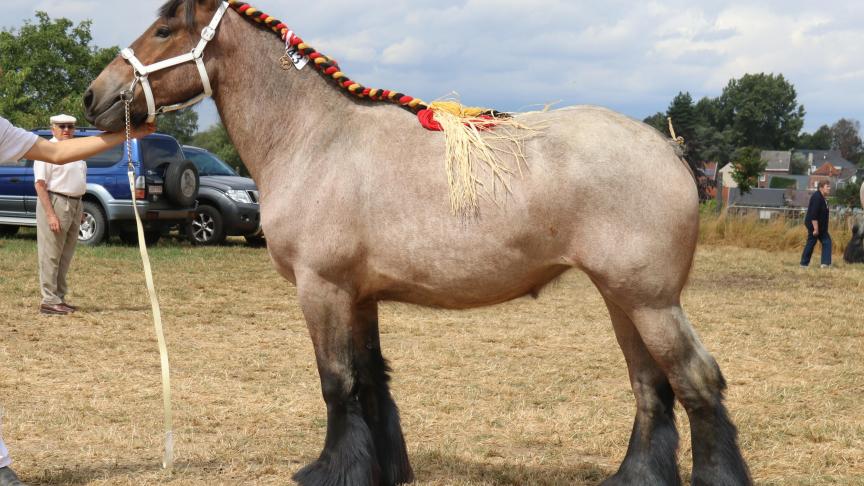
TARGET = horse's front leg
(379,408)
(349,457)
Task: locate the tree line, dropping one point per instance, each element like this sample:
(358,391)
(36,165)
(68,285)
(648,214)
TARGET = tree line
(753,113)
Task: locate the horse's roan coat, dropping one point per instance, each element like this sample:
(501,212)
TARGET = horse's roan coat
(355,206)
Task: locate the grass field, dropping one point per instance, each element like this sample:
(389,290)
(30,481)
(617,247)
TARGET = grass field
(531,392)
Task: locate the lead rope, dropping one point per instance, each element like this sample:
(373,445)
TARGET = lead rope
(168,457)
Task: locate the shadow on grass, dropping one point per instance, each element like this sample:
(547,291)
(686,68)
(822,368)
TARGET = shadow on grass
(447,469)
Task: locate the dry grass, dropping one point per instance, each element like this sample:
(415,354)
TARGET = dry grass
(772,235)
(529,392)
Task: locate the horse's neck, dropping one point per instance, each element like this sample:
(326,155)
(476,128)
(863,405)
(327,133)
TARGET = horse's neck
(270,113)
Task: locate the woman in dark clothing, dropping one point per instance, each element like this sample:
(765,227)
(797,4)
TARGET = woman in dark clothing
(816,221)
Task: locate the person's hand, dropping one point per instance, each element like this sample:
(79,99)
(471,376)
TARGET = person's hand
(815,231)
(54,223)
(143,130)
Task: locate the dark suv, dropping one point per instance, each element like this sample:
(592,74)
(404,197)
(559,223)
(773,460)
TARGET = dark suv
(166,187)
(227,202)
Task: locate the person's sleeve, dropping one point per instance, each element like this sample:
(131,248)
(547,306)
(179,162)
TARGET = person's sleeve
(14,141)
(40,171)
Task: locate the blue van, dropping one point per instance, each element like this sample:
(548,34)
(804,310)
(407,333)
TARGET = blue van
(166,186)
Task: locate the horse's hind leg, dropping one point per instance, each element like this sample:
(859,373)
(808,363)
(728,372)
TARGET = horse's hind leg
(349,457)
(699,385)
(379,408)
(651,455)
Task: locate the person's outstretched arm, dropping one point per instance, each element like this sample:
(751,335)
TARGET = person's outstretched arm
(82,147)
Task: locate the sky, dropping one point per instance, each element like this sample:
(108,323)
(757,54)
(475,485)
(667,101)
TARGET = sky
(512,55)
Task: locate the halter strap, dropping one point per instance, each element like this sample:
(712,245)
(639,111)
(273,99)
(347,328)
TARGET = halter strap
(197,55)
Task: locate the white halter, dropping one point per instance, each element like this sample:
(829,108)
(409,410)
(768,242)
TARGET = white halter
(141,71)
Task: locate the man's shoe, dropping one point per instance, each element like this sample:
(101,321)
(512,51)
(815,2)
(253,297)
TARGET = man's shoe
(69,308)
(54,310)
(825,266)
(8,477)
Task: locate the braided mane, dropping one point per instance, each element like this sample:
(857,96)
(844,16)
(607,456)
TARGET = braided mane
(324,64)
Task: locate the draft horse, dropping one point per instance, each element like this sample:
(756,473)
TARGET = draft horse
(354,203)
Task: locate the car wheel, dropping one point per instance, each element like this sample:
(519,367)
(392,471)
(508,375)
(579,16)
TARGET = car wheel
(94,225)
(207,226)
(151,237)
(181,183)
(8,230)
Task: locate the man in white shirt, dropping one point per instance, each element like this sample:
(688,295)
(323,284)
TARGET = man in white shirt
(58,215)
(16,143)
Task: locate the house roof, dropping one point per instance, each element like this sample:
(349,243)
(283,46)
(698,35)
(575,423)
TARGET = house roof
(777,159)
(772,198)
(847,173)
(827,169)
(819,157)
(710,169)
(798,199)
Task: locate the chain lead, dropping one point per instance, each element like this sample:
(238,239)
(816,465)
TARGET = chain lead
(127,100)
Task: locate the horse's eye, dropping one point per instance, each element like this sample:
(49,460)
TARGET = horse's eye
(163,32)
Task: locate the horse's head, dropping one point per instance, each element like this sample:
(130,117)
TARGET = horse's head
(178,32)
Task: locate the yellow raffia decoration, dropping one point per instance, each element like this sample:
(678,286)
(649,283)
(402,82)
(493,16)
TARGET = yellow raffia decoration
(471,148)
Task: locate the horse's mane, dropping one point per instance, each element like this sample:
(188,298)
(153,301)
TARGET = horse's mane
(169,9)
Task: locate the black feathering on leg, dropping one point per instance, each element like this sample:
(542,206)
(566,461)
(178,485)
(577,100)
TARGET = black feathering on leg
(652,462)
(717,459)
(382,416)
(348,458)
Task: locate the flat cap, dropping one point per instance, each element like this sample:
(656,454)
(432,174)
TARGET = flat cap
(62,118)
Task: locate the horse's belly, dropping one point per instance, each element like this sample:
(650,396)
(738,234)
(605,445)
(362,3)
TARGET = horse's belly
(459,285)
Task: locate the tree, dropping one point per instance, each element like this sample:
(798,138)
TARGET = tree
(849,194)
(181,124)
(748,164)
(216,140)
(762,111)
(683,117)
(716,142)
(45,67)
(845,137)
(799,164)
(658,121)
(820,139)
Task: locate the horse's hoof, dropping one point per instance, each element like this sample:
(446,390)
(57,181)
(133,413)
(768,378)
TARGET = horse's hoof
(325,473)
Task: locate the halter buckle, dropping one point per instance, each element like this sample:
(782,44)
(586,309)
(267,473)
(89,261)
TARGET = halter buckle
(207,33)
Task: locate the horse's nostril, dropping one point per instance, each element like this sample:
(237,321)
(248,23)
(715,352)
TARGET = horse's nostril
(88,99)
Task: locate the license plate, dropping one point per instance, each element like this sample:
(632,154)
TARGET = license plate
(154,189)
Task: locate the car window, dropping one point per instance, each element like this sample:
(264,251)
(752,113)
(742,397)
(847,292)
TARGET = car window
(14,163)
(209,165)
(157,151)
(106,158)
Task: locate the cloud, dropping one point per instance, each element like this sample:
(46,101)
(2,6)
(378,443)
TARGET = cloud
(408,51)
(631,55)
